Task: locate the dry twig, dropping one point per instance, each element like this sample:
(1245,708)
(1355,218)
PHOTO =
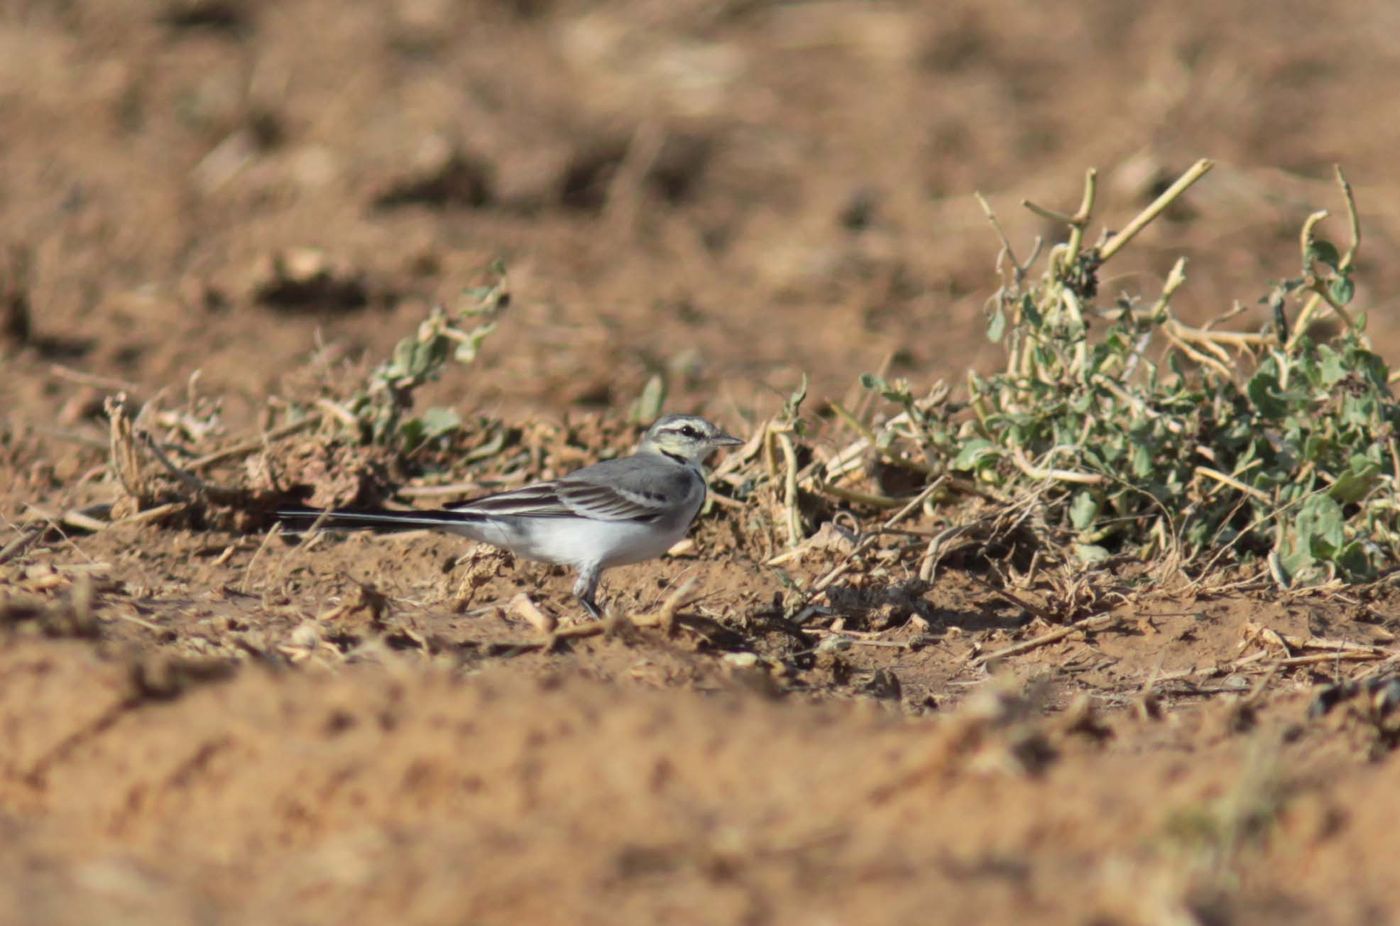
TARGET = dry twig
(1087,624)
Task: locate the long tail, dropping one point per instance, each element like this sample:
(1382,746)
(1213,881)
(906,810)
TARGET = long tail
(377,519)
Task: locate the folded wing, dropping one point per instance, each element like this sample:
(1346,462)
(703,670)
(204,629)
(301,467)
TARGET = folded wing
(571,497)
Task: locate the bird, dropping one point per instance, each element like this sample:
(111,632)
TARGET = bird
(613,513)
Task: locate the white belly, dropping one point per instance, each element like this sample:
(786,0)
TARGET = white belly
(578,542)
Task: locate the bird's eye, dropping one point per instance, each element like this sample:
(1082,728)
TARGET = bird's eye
(689,431)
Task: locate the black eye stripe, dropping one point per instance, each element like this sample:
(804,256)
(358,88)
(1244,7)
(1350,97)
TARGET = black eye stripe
(685,430)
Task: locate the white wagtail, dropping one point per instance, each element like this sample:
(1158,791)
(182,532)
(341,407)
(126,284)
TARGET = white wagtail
(609,514)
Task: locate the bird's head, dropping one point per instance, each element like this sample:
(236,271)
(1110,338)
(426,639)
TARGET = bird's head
(686,436)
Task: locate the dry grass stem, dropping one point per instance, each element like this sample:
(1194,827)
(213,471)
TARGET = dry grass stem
(1095,622)
(1159,205)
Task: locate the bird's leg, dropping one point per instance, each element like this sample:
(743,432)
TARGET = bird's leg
(585,588)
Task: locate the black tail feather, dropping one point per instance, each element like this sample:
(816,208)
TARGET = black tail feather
(375,519)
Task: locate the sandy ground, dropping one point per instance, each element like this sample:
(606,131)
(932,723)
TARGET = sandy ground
(198,724)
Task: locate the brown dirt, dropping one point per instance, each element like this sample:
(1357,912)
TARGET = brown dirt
(196,725)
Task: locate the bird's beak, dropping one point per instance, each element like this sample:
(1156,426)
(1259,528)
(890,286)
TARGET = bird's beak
(726,440)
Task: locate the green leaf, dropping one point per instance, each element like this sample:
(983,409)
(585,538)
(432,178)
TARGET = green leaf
(1354,562)
(1358,411)
(411,432)
(1332,366)
(1083,510)
(1320,527)
(467,350)
(1174,363)
(1315,448)
(439,422)
(1295,563)
(897,391)
(401,362)
(974,453)
(1090,553)
(1141,459)
(1324,252)
(1264,393)
(1342,289)
(996,325)
(1106,448)
(1030,312)
(433,423)
(1373,366)
(1356,482)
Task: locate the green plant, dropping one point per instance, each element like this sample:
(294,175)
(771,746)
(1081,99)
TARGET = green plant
(379,412)
(1158,438)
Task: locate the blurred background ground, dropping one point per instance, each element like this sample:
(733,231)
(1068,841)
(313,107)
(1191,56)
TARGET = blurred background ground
(730,195)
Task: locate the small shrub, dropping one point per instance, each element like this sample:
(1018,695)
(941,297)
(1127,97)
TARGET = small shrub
(1162,439)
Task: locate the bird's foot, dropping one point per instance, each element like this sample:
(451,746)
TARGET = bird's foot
(591,607)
